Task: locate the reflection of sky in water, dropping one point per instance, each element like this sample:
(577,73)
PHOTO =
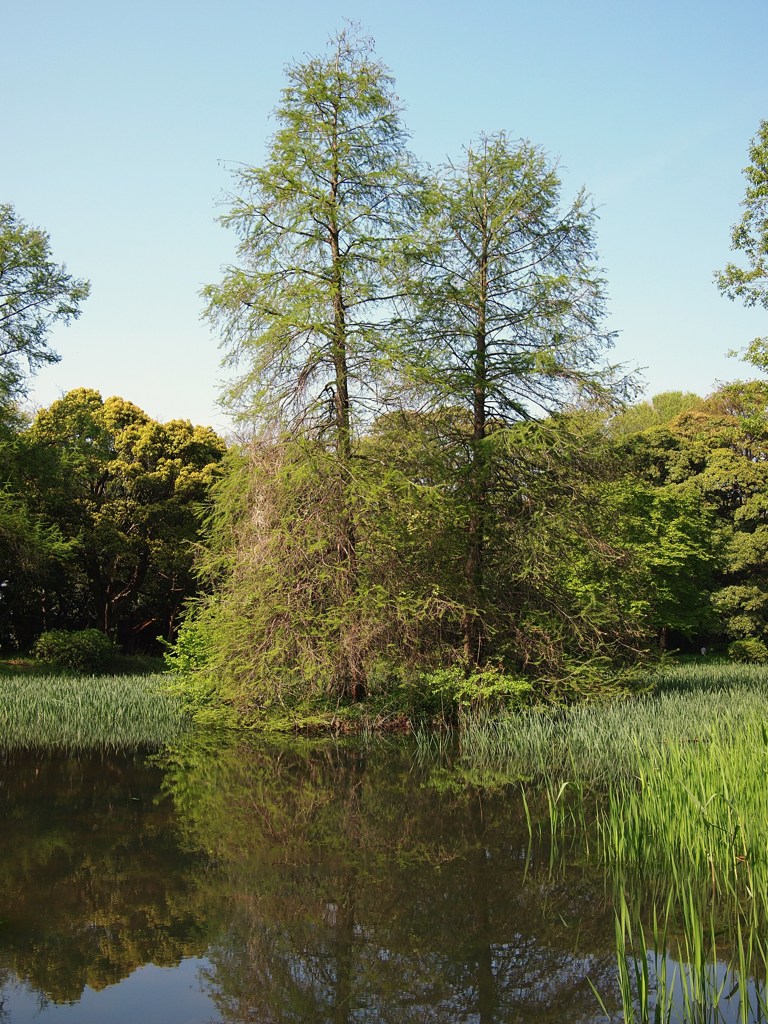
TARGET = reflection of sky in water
(722,997)
(162,995)
(151,995)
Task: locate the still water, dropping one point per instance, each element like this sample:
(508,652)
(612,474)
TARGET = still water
(232,882)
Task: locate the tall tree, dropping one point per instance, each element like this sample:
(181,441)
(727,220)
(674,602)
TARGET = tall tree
(708,467)
(505,313)
(750,238)
(658,411)
(302,312)
(35,293)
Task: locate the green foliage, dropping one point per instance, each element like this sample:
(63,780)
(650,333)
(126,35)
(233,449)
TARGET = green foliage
(709,464)
(280,618)
(191,650)
(125,493)
(669,562)
(454,690)
(302,312)
(32,550)
(187,661)
(750,235)
(283,623)
(750,649)
(505,299)
(615,742)
(84,650)
(750,238)
(35,293)
(400,509)
(659,411)
(502,320)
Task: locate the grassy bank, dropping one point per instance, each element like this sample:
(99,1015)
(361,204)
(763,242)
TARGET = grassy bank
(597,744)
(110,712)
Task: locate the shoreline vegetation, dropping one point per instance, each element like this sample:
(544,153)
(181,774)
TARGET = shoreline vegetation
(664,789)
(68,712)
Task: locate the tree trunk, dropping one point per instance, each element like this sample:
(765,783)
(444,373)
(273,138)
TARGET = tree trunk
(351,683)
(474,634)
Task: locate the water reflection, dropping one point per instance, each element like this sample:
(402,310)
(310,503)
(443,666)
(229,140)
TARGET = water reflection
(294,883)
(92,879)
(357,890)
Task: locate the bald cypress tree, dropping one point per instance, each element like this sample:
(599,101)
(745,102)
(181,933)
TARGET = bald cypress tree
(302,313)
(506,319)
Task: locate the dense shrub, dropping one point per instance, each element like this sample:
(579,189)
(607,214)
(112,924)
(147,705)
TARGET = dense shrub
(190,652)
(749,649)
(85,650)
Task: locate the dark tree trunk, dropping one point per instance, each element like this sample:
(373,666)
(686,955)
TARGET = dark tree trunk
(351,683)
(474,634)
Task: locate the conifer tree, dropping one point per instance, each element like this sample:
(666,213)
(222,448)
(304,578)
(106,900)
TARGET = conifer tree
(302,313)
(505,315)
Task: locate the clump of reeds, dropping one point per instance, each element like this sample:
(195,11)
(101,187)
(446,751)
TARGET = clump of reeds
(688,835)
(670,792)
(78,713)
(597,744)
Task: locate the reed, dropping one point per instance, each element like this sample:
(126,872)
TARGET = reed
(689,834)
(78,713)
(598,744)
(669,792)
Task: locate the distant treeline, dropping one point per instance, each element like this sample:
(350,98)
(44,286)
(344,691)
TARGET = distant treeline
(99,511)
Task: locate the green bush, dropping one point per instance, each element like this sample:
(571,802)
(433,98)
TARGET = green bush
(84,650)
(185,663)
(190,652)
(749,649)
(447,692)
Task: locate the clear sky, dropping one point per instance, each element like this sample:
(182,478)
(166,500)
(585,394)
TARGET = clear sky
(119,122)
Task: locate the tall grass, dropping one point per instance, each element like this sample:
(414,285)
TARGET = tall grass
(78,713)
(669,791)
(597,744)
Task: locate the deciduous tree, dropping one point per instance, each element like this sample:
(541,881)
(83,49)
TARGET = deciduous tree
(505,316)
(35,293)
(126,492)
(750,238)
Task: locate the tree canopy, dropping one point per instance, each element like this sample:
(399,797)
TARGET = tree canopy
(301,312)
(750,236)
(101,508)
(35,293)
(750,239)
(504,308)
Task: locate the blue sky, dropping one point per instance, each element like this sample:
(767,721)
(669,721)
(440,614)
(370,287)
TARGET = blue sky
(120,121)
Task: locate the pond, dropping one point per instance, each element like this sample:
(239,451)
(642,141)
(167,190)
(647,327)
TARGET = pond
(230,881)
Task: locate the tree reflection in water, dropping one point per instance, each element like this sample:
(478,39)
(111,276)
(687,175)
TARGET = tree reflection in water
(360,888)
(322,883)
(92,879)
